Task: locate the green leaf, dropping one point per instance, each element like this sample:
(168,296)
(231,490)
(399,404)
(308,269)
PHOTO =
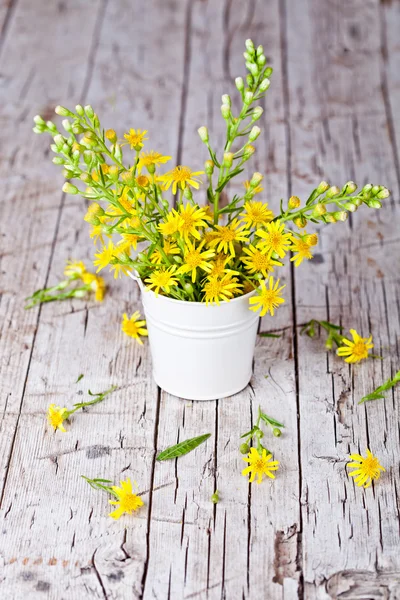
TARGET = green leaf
(270,420)
(250,433)
(228,178)
(183,447)
(270,335)
(377,394)
(81,376)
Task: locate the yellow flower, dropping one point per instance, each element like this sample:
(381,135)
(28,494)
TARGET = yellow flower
(219,266)
(151,158)
(267,298)
(56,416)
(357,349)
(128,240)
(135,138)
(302,247)
(255,190)
(220,288)
(162,279)
(259,261)
(96,233)
(133,326)
(365,469)
(194,258)
(97,285)
(119,270)
(94,212)
(142,180)
(127,501)
(256,214)
(169,247)
(171,223)
(104,257)
(181,176)
(74,269)
(274,239)
(226,235)
(190,219)
(259,465)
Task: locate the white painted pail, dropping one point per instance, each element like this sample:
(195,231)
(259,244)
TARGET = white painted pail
(199,351)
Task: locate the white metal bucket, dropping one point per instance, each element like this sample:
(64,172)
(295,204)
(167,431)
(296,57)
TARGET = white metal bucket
(199,351)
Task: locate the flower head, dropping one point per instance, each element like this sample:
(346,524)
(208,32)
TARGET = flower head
(171,224)
(56,416)
(226,235)
(365,469)
(74,269)
(196,258)
(259,465)
(221,288)
(104,257)
(169,247)
(181,177)
(135,138)
(219,266)
(96,284)
(127,501)
(162,279)
(258,261)
(302,248)
(134,326)
(357,349)
(148,159)
(274,239)
(256,214)
(191,218)
(254,190)
(268,298)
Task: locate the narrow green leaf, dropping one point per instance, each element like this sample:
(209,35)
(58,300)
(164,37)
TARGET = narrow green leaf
(270,335)
(270,420)
(183,447)
(377,394)
(249,433)
(81,376)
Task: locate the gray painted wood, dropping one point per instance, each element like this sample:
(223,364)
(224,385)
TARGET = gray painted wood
(331,113)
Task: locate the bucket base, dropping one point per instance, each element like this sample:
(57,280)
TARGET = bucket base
(184,396)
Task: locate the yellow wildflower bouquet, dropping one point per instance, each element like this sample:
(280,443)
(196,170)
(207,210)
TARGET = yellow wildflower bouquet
(178,247)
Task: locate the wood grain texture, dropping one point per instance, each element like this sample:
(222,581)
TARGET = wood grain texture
(330,113)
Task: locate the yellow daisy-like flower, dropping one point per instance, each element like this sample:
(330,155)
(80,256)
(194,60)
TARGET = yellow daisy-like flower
(127,501)
(74,269)
(134,326)
(104,257)
(259,465)
(365,469)
(221,288)
(128,240)
(143,181)
(274,239)
(194,258)
(190,219)
(302,248)
(119,270)
(169,248)
(135,138)
(255,190)
(96,284)
(218,266)
(259,261)
(171,224)
(256,214)
(268,298)
(226,235)
(355,350)
(56,416)
(162,279)
(97,233)
(147,159)
(181,177)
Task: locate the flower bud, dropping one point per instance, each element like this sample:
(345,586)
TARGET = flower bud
(249,80)
(187,192)
(111,136)
(79,109)
(89,111)
(63,112)
(254,133)
(244,448)
(330,218)
(66,174)
(341,215)
(203,133)
(248,151)
(268,72)
(260,50)
(67,125)
(259,434)
(77,128)
(127,177)
(367,188)
(256,180)
(39,128)
(51,126)
(374,203)
(239,84)
(375,190)
(261,60)
(151,168)
(215,497)
(276,432)
(294,202)
(113,172)
(226,99)
(256,114)
(59,141)
(357,201)
(225,111)
(350,206)
(58,160)
(93,213)
(118,153)
(209,167)
(188,288)
(300,222)
(349,188)
(228,159)
(68,188)
(165,203)
(85,177)
(264,85)
(383,193)
(323,186)
(312,239)
(249,46)
(142,180)
(87,157)
(38,120)
(248,97)
(247,57)
(96,121)
(253,68)
(333,191)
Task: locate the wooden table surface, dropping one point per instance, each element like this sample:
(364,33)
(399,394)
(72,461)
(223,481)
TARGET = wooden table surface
(332,113)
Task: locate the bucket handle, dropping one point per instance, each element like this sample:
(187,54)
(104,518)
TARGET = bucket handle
(133,275)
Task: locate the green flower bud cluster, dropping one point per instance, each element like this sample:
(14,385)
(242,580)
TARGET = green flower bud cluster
(256,434)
